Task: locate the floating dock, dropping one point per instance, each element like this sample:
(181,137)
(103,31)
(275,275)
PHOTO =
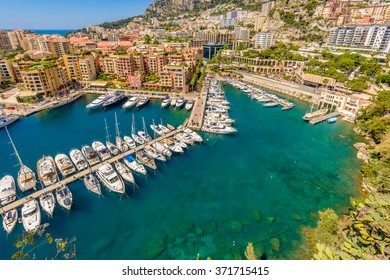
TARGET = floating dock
(80,175)
(324,117)
(195,120)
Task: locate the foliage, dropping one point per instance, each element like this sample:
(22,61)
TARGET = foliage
(241,47)
(282,51)
(359,84)
(28,243)
(9,54)
(373,120)
(154,78)
(117,24)
(106,77)
(250,252)
(327,226)
(147,39)
(198,76)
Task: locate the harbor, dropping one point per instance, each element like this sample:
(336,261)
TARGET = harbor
(180,210)
(324,117)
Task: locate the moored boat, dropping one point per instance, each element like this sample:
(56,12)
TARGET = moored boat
(315,114)
(47,171)
(332,120)
(142,102)
(195,136)
(97,103)
(129,141)
(110,178)
(130,103)
(124,172)
(64,164)
(64,197)
(7,120)
(146,160)
(134,165)
(113,98)
(92,184)
(9,220)
(90,155)
(180,102)
(31,215)
(189,105)
(47,202)
(166,102)
(101,150)
(78,159)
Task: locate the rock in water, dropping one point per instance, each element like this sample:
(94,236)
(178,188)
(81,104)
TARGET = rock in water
(359,145)
(275,242)
(155,246)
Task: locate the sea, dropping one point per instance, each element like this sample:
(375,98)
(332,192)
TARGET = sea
(260,185)
(61,32)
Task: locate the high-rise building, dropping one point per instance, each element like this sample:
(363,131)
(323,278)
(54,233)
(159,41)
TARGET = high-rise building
(210,50)
(87,67)
(73,67)
(216,37)
(6,71)
(259,23)
(264,40)
(267,7)
(376,37)
(5,43)
(241,33)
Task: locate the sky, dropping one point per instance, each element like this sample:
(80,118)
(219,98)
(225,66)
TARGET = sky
(70,14)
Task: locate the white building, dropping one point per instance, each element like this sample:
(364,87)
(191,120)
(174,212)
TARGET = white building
(241,33)
(264,40)
(376,37)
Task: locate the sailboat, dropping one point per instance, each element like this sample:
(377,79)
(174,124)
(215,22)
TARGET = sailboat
(143,133)
(135,137)
(31,215)
(92,184)
(312,115)
(64,197)
(26,177)
(146,160)
(9,220)
(48,202)
(122,146)
(111,147)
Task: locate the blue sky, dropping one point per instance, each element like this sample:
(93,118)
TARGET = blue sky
(70,14)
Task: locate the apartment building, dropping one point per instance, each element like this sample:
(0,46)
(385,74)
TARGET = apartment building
(346,104)
(45,81)
(5,43)
(264,40)
(241,33)
(216,37)
(88,68)
(73,67)
(6,71)
(155,63)
(376,37)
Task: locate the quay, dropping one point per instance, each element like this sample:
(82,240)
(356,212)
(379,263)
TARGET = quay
(195,120)
(80,175)
(325,117)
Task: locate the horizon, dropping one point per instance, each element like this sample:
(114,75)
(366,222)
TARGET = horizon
(76,16)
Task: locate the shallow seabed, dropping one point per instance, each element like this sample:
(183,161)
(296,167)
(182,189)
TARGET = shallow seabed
(260,185)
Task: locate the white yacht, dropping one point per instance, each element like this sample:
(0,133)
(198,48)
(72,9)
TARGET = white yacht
(7,190)
(195,136)
(78,159)
(101,150)
(146,160)
(47,171)
(98,102)
(143,133)
(7,120)
(90,155)
(113,97)
(64,197)
(315,114)
(218,128)
(48,203)
(92,184)
(180,102)
(66,101)
(138,139)
(165,103)
(156,129)
(189,105)
(173,102)
(142,102)
(129,141)
(26,177)
(134,165)
(270,104)
(173,146)
(184,137)
(124,172)
(110,178)
(31,215)
(161,148)
(9,220)
(111,147)
(64,164)
(150,151)
(130,103)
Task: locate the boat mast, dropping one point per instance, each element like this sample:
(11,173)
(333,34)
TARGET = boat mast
(108,135)
(132,125)
(143,122)
(13,145)
(117,126)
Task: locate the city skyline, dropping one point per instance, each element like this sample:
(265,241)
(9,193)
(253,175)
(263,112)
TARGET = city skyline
(85,13)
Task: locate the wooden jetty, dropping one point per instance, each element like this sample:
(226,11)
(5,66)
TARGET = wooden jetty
(324,117)
(79,175)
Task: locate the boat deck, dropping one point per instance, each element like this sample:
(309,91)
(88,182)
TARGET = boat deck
(324,117)
(79,175)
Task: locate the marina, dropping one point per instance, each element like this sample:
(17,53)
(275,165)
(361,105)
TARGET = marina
(324,117)
(184,191)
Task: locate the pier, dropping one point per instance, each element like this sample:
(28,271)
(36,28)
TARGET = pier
(324,117)
(197,114)
(68,180)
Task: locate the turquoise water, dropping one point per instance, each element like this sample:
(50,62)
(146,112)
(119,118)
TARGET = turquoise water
(260,185)
(61,32)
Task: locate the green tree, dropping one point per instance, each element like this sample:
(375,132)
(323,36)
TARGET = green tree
(147,39)
(327,227)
